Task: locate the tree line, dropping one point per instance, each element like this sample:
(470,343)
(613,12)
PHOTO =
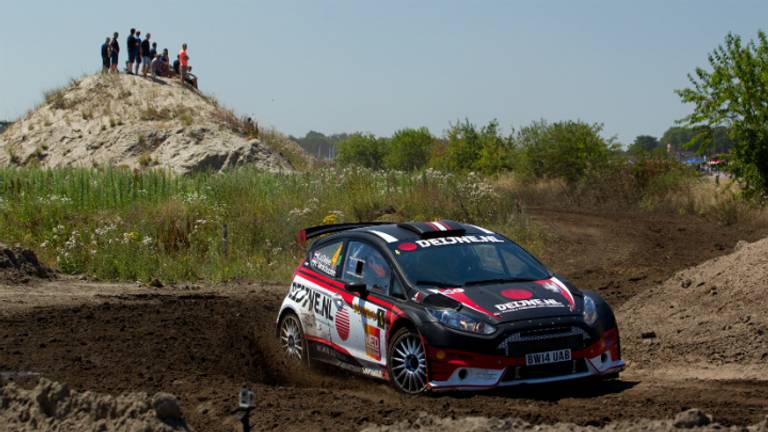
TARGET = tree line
(565,149)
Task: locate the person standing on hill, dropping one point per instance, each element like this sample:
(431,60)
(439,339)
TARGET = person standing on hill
(183,61)
(114,53)
(153,51)
(146,54)
(138,51)
(130,44)
(177,66)
(105,56)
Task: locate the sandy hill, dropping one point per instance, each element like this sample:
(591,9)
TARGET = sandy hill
(712,314)
(125,120)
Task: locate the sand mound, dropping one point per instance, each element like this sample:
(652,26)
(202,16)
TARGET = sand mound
(714,313)
(692,418)
(54,407)
(18,265)
(135,122)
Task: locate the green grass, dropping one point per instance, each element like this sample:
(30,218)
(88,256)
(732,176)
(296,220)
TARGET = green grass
(118,224)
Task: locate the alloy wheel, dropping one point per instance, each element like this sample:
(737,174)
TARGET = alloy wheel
(291,338)
(408,363)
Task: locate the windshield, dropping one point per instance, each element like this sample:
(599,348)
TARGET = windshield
(466,261)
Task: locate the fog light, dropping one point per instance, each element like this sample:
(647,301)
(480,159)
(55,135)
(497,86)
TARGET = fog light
(440,355)
(462,374)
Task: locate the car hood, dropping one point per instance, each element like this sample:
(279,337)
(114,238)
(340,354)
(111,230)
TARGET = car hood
(519,300)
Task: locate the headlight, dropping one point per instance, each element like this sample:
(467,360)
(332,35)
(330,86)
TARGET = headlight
(590,310)
(459,321)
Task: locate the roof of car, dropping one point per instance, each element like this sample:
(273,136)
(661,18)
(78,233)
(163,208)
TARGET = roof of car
(393,233)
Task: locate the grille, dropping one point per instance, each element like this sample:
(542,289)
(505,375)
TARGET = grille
(545,371)
(546,339)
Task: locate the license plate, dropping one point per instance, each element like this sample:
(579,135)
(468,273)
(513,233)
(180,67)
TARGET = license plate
(547,357)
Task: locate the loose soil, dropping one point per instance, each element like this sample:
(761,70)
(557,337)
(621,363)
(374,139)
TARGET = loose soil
(204,343)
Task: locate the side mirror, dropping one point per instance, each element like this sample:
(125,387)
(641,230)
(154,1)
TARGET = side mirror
(360,288)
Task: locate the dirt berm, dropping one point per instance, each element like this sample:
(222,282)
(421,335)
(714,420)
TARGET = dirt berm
(127,120)
(18,265)
(51,406)
(711,314)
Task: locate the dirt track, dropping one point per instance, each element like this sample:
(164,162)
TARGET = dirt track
(204,343)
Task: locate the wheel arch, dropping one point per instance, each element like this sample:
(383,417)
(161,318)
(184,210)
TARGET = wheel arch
(401,322)
(286,310)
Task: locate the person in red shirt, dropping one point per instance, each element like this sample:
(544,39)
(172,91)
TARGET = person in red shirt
(184,60)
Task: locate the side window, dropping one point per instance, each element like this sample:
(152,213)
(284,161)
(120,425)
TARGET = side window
(364,264)
(327,258)
(396,289)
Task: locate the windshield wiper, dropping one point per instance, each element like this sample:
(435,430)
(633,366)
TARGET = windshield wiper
(440,284)
(495,281)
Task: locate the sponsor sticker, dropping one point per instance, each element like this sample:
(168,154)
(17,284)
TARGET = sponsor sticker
(378,373)
(469,239)
(519,305)
(311,300)
(342,323)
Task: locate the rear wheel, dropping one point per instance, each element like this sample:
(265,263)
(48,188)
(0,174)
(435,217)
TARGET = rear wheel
(407,362)
(292,340)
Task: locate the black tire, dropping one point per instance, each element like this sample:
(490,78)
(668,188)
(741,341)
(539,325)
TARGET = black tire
(290,336)
(407,362)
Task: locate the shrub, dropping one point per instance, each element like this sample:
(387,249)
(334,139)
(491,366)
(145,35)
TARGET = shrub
(150,113)
(408,149)
(363,150)
(121,224)
(567,150)
(468,147)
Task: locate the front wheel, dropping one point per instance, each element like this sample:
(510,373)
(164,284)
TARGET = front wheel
(292,340)
(408,362)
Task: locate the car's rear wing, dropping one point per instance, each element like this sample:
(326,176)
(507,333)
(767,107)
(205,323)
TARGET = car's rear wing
(309,233)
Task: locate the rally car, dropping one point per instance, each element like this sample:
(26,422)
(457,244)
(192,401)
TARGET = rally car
(441,305)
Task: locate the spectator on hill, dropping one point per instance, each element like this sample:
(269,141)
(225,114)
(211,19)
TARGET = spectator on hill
(138,51)
(157,66)
(184,61)
(153,51)
(177,66)
(190,78)
(166,67)
(146,56)
(114,53)
(130,44)
(105,56)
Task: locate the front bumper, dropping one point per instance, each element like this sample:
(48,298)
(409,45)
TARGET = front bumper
(451,369)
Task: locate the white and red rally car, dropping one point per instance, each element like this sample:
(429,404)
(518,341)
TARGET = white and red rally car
(442,305)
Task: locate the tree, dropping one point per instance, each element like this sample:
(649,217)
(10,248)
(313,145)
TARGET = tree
(733,95)
(496,151)
(363,150)
(462,149)
(469,148)
(567,150)
(409,149)
(317,144)
(644,144)
(677,137)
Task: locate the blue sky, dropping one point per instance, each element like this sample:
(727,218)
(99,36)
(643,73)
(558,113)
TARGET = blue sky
(349,65)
